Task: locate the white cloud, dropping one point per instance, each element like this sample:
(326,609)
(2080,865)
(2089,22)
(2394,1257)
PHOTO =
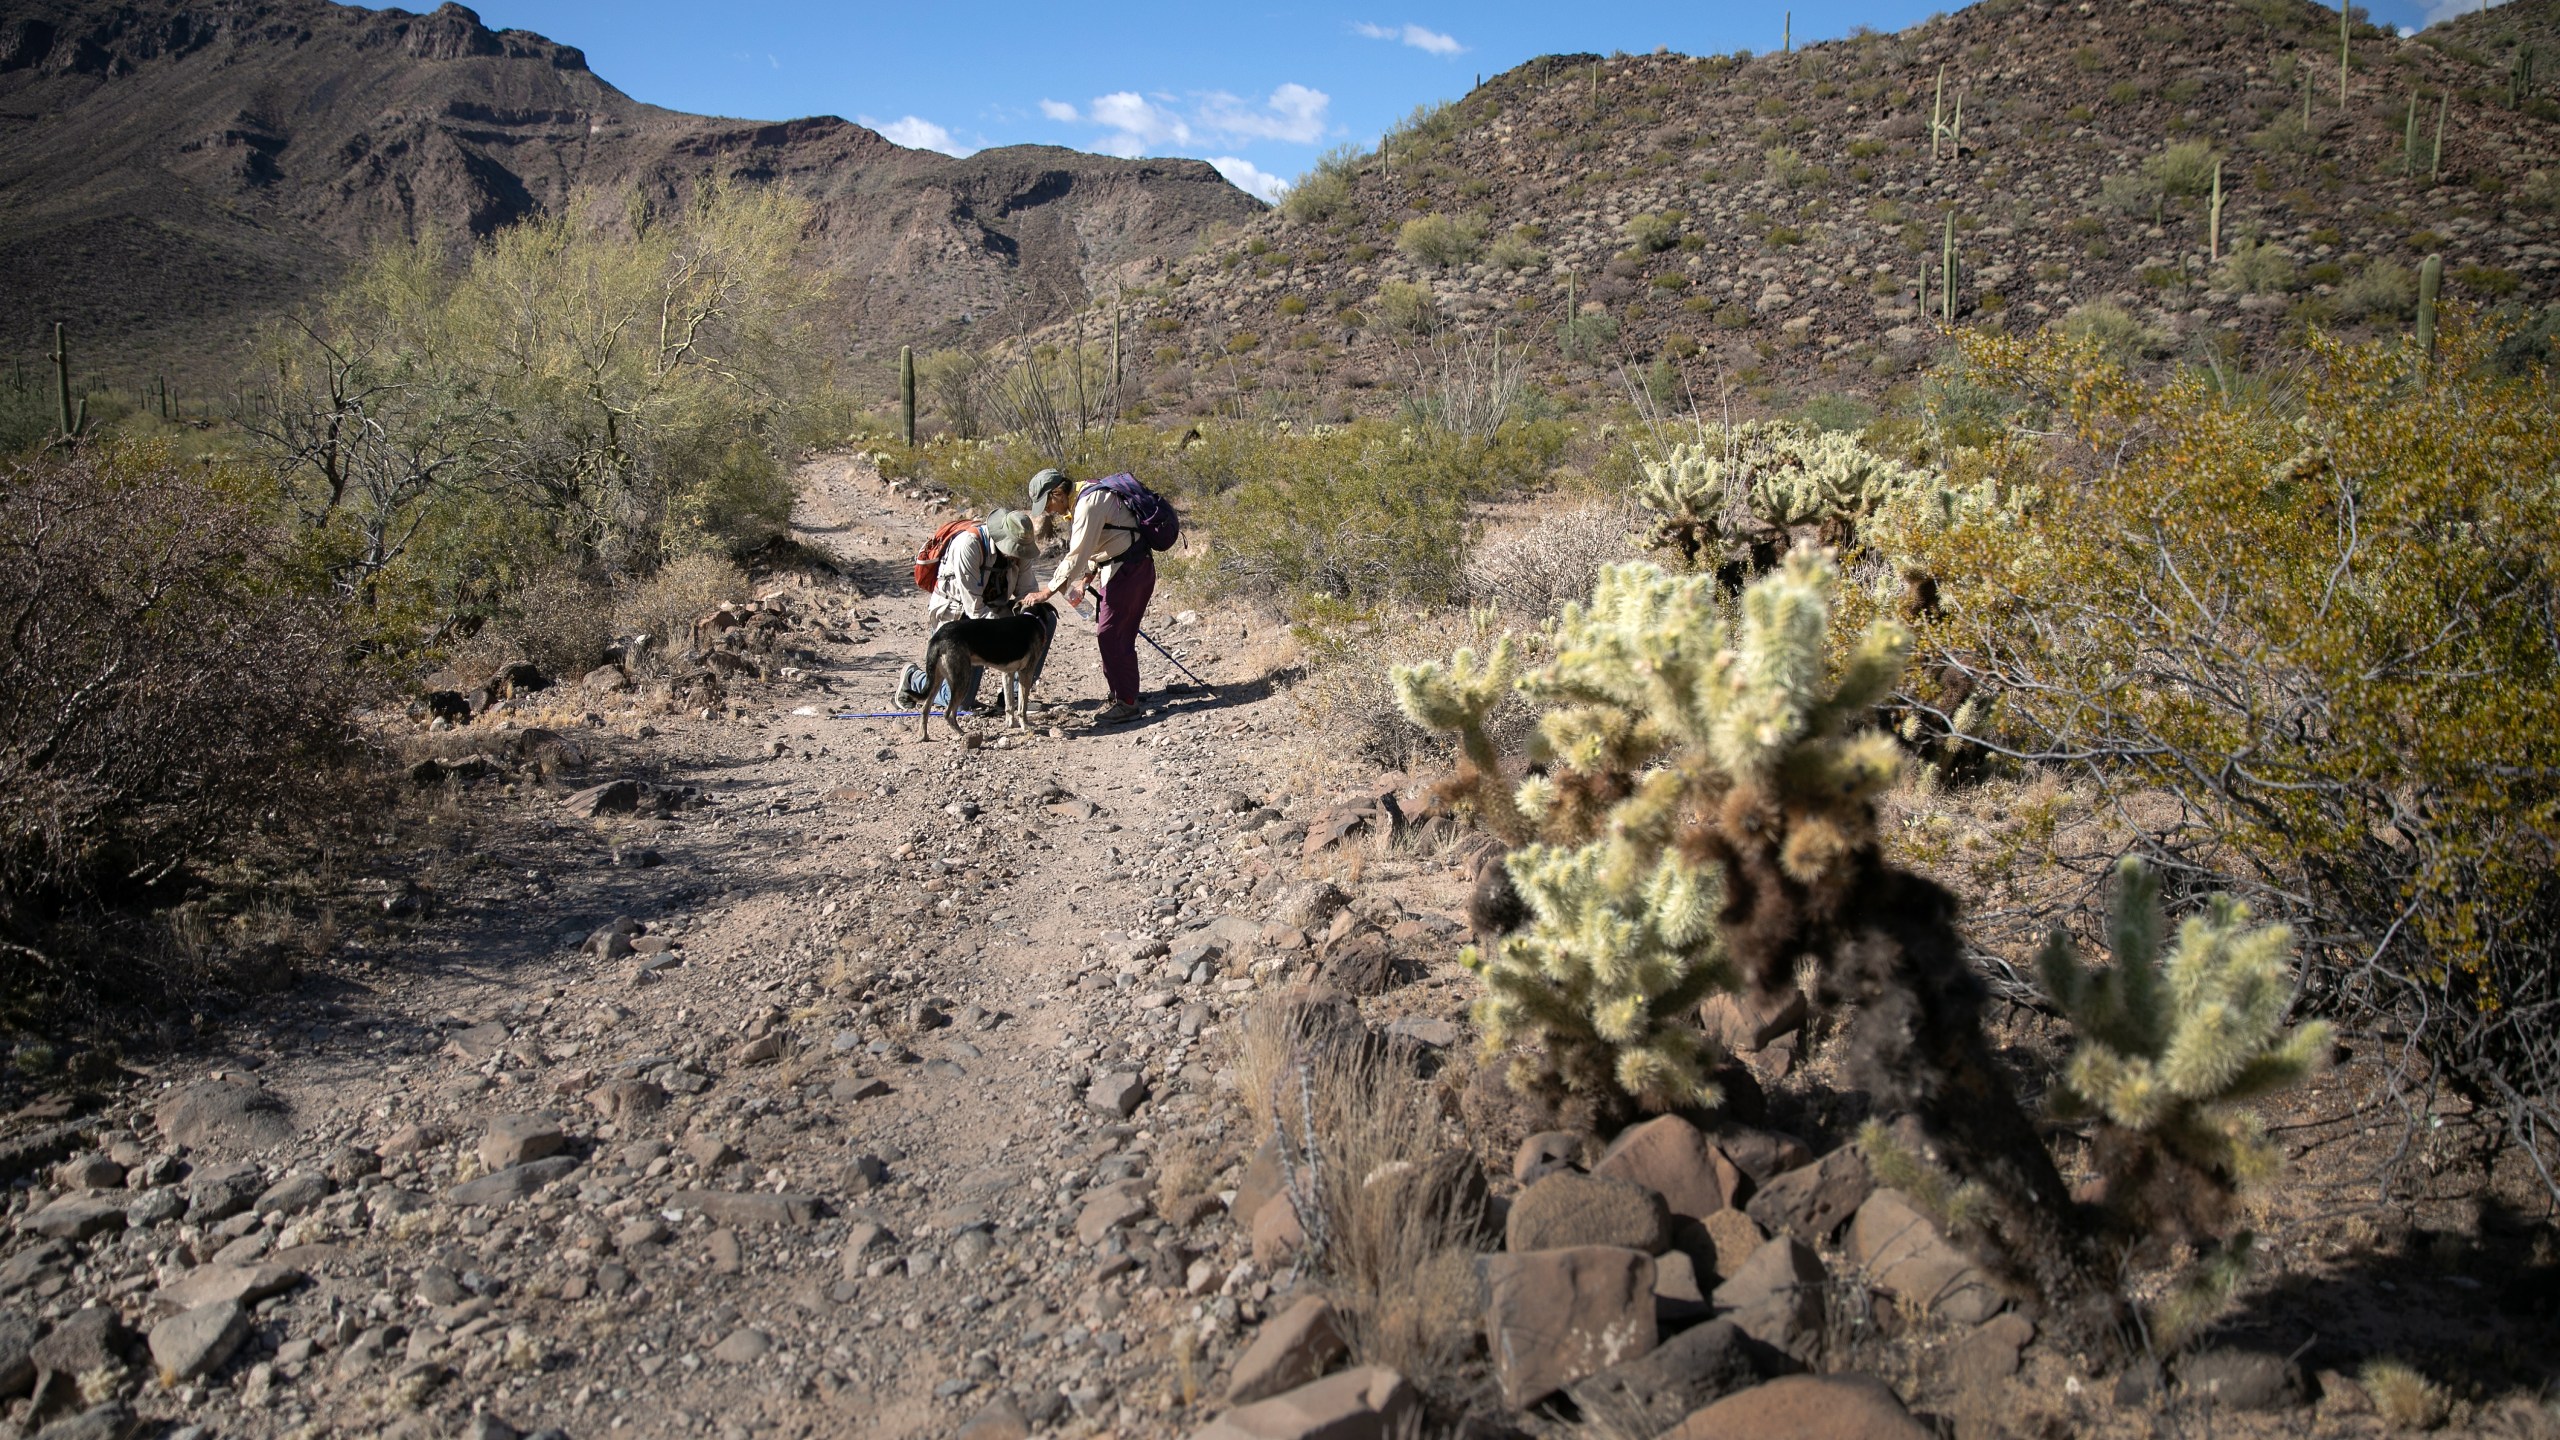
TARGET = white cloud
(1430,42)
(1294,114)
(1250,178)
(918,134)
(1058,110)
(1140,123)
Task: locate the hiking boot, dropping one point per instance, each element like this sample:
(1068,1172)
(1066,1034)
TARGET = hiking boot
(1115,713)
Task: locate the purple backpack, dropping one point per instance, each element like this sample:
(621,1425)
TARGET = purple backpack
(1157,525)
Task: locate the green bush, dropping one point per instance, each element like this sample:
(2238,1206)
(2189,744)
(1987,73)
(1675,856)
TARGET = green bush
(2113,329)
(1324,192)
(2255,268)
(2383,290)
(1514,251)
(1651,232)
(1441,241)
(1408,308)
(2184,168)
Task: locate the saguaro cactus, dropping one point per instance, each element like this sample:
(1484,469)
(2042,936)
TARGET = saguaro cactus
(61,358)
(907,394)
(2430,280)
(1947,270)
(2213,222)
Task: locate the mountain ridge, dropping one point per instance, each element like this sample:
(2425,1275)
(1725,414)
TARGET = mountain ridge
(174,172)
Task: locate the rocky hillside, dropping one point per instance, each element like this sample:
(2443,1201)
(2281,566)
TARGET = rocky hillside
(1776,216)
(171,171)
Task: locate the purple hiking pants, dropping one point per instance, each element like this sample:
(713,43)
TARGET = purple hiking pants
(1118,607)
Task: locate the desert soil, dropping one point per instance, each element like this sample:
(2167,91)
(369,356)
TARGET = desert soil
(844,1133)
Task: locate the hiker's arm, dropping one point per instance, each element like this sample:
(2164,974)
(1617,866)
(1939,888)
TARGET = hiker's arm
(1084,546)
(964,575)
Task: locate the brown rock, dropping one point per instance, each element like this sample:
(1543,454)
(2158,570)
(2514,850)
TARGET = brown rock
(1277,1235)
(1905,1256)
(1565,1209)
(224,1115)
(515,1139)
(749,1207)
(1806,1407)
(1652,1393)
(1110,1208)
(1263,1179)
(1292,1348)
(1000,1420)
(1668,1156)
(1990,1354)
(1736,1238)
(1811,1201)
(1776,1297)
(709,1151)
(1368,1402)
(1556,1316)
(1761,1155)
(622,1101)
(1548,1150)
(1745,1021)
(247,1284)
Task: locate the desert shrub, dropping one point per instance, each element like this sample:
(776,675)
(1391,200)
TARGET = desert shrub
(1324,191)
(1441,241)
(1527,574)
(2402,1397)
(2183,168)
(1515,251)
(1788,166)
(2129,194)
(1365,514)
(559,620)
(1408,308)
(2113,329)
(1392,1206)
(1651,232)
(2257,565)
(441,429)
(29,415)
(1586,337)
(1417,135)
(2383,290)
(665,605)
(948,381)
(160,692)
(2256,268)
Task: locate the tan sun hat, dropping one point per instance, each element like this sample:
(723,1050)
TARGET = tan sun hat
(1009,531)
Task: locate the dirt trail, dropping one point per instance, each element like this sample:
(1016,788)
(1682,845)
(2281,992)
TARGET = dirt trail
(903,980)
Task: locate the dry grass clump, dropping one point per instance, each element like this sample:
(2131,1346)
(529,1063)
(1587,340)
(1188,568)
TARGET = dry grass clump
(561,622)
(1393,1212)
(664,606)
(2405,1399)
(1348,696)
(1528,574)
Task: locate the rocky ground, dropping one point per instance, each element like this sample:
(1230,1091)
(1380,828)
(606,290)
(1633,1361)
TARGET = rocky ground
(716,1064)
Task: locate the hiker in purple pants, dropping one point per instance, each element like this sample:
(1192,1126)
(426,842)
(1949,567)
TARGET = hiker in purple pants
(1104,548)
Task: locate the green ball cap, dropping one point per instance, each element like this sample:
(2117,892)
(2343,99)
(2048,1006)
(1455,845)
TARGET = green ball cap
(1044,482)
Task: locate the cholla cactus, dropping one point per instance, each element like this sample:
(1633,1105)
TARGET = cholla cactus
(1685,490)
(1457,699)
(1823,478)
(1676,734)
(2171,1048)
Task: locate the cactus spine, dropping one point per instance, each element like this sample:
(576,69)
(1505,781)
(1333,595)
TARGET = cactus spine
(2430,280)
(2213,222)
(907,394)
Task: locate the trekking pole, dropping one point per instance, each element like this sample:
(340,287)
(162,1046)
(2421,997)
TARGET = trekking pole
(1170,657)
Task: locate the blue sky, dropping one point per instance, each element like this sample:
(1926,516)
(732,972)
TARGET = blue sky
(1256,90)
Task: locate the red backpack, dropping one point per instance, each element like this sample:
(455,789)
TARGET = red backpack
(929,559)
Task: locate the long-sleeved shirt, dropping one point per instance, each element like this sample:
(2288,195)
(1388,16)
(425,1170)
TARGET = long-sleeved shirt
(1098,541)
(966,589)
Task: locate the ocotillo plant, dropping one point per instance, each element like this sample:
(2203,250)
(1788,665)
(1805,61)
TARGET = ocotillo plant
(2430,280)
(907,394)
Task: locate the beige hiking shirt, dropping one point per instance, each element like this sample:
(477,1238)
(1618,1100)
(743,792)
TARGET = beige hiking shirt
(965,588)
(1094,546)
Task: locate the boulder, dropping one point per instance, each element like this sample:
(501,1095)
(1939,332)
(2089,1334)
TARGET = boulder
(1293,1348)
(516,1182)
(1735,1238)
(2244,1379)
(18,1336)
(293,1194)
(1119,1093)
(1905,1256)
(1761,1155)
(1263,1178)
(77,1217)
(196,1342)
(1565,1209)
(512,1140)
(90,1339)
(1776,1297)
(1651,1393)
(1990,1354)
(1812,1201)
(1806,1407)
(225,1116)
(750,1207)
(1555,1316)
(1546,1151)
(1368,1402)
(1668,1156)
(244,1284)
(999,1419)
(218,1192)
(1110,1208)
(1277,1235)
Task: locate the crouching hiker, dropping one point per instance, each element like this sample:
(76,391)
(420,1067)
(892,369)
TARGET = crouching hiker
(1118,525)
(976,570)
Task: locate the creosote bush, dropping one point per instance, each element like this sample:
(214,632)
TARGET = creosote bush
(162,691)
(1442,240)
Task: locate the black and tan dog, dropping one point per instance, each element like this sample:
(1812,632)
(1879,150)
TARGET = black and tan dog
(1015,646)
